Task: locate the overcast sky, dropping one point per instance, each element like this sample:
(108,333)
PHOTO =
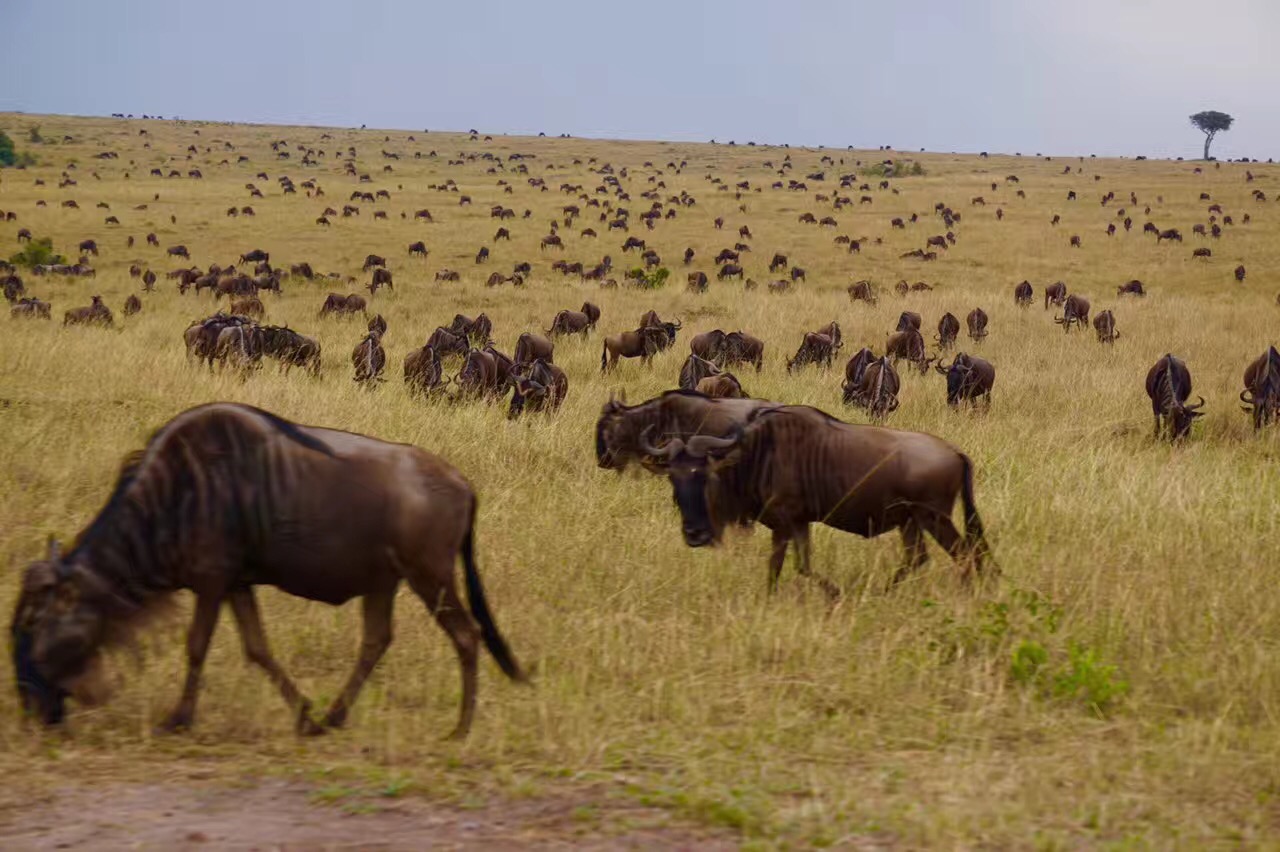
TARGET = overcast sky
(1065,76)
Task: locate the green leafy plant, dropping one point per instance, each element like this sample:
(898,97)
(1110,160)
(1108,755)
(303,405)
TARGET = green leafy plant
(649,280)
(38,252)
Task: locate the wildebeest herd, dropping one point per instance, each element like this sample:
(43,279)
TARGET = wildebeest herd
(729,458)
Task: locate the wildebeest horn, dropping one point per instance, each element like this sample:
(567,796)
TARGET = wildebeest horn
(678,324)
(1245,396)
(1195,407)
(669,450)
(941,367)
(700,445)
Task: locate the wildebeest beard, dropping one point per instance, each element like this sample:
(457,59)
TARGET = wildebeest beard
(38,694)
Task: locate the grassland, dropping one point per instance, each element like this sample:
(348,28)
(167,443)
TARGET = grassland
(1118,685)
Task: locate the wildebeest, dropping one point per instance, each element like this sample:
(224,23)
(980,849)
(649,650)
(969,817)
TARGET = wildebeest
(1074,311)
(792,466)
(31,308)
(1202,252)
(217,503)
(854,370)
(694,370)
(89,247)
(721,386)
(255,256)
(1169,386)
(709,345)
(132,305)
(446,342)
(248,306)
(908,319)
(531,347)
(1262,388)
(1131,288)
(239,345)
(977,324)
(447,275)
(479,376)
(1240,273)
(697,282)
(1055,294)
(643,343)
(948,330)
(779,262)
(369,359)
(422,371)
(570,322)
(861,291)
(176,251)
(381,278)
(539,386)
(1105,325)
(419,248)
(291,349)
(969,378)
(1023,294)
(1171,234)
(95,313)
(815,348)
(742,348)
(374,260)
(877,387)
(908,345)
(336,303)
(729,270)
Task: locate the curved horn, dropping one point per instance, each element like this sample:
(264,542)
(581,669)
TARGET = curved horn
(668,450)
(1195,407)
(1245,396)
(678,324)
(700,445)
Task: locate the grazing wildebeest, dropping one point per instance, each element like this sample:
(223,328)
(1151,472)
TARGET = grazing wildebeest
(729,270)
(1202,252)
(240,345)
(1023,294)
(176,251)
(248,306)
(969,378)
(570,322)
(1171,234)
(132,305)
(688,256)
(1240,272)
(977,323)
(697,282)
(1105,325)
(539,386)
(1074,311)
(381,278)
(877,388)
(94,314)
(792,466)
(551,241)
(482,255)
(291,349)
(422,371)
(1262,388)
(148,281)
(1131,288)
(447,275)
(446,342)
(908,319)
(1055,294)
(89,247)
(721,386)
(779,262)
(217,503)
(726,256)
(480,376)
(255,256)
(643,343)
(336,303)
(814,349)
(908,345)
(502,234)
(861,291)
(742,348)
(419,248)
(369,359)
(948,330)
(31,308)
(378,324)
(477,331)
(709,345)
(696,369)
(374,260)
(531,347)
(854,370)
(1169,386)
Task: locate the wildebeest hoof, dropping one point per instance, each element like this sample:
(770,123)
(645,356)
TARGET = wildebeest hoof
(176,723)
(305,725)
(336,717)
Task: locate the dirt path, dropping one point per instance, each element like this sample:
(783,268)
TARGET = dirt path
(289,816)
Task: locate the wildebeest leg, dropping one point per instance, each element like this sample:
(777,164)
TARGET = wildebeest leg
(443,602)
(966,556)
(776,559)
(198,636)
(256,650)
(377,608)
(803,550)
(916,553)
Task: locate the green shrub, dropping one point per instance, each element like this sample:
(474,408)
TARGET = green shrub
(649,280)
(7,154)
(897,169)
(38,252)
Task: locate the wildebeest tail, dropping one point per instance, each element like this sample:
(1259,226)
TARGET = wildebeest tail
(480,607)
(604,356)
(974,533)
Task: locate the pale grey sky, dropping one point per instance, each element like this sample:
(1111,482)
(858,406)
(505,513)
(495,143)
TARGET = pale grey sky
(1066,77)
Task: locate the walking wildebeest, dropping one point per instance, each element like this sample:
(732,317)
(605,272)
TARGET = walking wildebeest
(1055,294)
(948,331)
(94,314)
(1074,312)
(643,343)
(531,347)
(1023,294)
(1131,288)
(31,308)
(226,497)
(742,348)
(814,349)
(792,466)
(1105,325)
(969,378)
(1169,386)
(1262,388)
(540,386)
(977,323)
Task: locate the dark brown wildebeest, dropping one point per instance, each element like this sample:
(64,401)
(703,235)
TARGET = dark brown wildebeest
(688,256)
(1240,272)
(969,378)
(1131,288)
(132,305)
(792,466)
(592,311)
(814,349)
(291,349)
(854,370)
(551,241)
(89,247)
(482,255)
(779,287)
(255,256)
(175,251)
(570,322)
(861,291)
(1023,294)
(419,248)
(1202,252)
(779,262)
(908,319)
(336,303)
(742,348)
(902,288)
(445,342)
(31,308)
(1055,294)
(201,509)
(531,347)
(477,331)
(729,270)
(797,274)
(423,372)
(1170,234)
(153,240)
(908,345)
(94,314)
(709,345)
(369,359)
(148,281)
(977,323)
(727,256)
(24,235)
(697,282)
(721,386)
(502,234)
(12,287)
(1105,325)
(378,324)
(1262,388)
(479,376)
(877,388)
(372,261)
(447,275)
(239,345)
(696,369)
(248,306)
(540,386)
(1074,311)
(643,343)
(423,214)
(948,331)
(1169,386)
(381,278)
(1075,241)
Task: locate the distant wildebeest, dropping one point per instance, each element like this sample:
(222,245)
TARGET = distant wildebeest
(793,466)
(1075,311)
(531,347)
(1055,294)
(1240,273)
(861,291)
(1202,252)
(369,359)
(815,348)
(255,256)
(539,386)
(697,282)
(1131,288)
(1075,241)
(1023,294)
(1169,386)
(1262,388)
(570,322)
(688,256)
(132,305)
(779,262)
(948,330)
(729,270)
(216,504)
(854,371)
(291,349)
(742,348)
(908,319)
(482,255)
(551,241)
(1105,325)
(1170,234)
(969,378)
(447,275)
(177,251)
(31,308)
(94,314)
(336,303)
(419,248)
(248,306)
(422,371)
(381,278)
(372,261)
(977,324)
(89,247)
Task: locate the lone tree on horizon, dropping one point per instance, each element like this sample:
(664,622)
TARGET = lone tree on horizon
(1209,123)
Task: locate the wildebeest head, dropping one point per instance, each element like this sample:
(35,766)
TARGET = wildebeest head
(59,625)
(959,376)
(690,466)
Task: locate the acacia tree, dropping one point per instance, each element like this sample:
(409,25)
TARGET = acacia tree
(1209,123)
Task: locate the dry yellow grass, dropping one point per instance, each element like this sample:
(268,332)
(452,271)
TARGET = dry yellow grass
(1119,684)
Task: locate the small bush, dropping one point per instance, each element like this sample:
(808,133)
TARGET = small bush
(7,154)
(896,169)
(649,280)
(38,252)
(33,134)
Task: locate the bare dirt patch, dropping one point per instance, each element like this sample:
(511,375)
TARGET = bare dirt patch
(293,816)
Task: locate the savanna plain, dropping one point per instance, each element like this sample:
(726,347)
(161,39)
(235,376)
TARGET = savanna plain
(1116,684)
